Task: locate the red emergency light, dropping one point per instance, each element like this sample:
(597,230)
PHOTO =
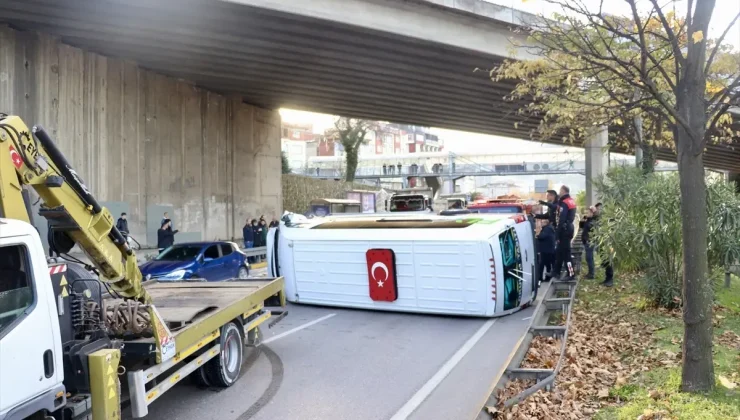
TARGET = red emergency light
(519,218)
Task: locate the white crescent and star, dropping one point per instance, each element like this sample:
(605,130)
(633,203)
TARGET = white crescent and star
(383,267)
(15,157)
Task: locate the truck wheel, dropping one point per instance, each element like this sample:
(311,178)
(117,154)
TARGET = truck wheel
(200,377)
(224,369)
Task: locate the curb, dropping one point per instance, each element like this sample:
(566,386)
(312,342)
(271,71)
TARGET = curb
(262,264)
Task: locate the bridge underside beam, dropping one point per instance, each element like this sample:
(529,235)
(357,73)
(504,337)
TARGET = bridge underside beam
(302,55)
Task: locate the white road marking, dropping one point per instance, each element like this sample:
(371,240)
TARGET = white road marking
(422,394)
(296,329)
(524,319)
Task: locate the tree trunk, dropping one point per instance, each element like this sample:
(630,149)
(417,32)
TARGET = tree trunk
(698,295)
(648,159)
(351,157)
(698,370)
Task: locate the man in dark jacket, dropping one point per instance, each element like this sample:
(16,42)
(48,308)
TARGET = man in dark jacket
(587,228)
(257,230)
(248,234)
(552,208)
(606,261)
(122,225)
(165,235)
(546,248)
(564,229)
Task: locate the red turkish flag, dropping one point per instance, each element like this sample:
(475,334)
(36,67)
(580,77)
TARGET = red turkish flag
(381,274)
(15,157)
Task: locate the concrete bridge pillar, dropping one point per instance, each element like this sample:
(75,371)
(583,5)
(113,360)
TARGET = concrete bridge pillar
(597,161)
(734,177)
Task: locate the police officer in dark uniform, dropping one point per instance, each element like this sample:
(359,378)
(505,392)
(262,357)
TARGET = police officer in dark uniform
(566,215)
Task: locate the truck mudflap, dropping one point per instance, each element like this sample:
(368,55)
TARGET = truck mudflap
(104,387)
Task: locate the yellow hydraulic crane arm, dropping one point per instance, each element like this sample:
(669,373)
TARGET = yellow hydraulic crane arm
(30,158)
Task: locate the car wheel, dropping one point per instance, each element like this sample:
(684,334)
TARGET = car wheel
(243,273)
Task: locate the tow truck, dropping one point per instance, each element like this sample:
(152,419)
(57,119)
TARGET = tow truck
(75,343)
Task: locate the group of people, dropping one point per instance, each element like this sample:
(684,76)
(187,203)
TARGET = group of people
(554,239)
(165,233)
(556,235)
(255,234)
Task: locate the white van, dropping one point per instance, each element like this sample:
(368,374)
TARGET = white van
(474,265)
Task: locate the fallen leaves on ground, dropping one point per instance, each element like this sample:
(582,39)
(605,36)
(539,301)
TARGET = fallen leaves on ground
(603,351)
(729,339)
(653,415)
(543,353)
(726,382)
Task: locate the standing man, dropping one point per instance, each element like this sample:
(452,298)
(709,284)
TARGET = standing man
(122,225)
(274,222)
(552,208)
(606,261)
(546,248)
(564,228)
(263,234)
(588,225)
(248,234)
(165,235)
(257,231)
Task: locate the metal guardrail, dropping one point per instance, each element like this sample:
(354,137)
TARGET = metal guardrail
(255,252)
(545,378)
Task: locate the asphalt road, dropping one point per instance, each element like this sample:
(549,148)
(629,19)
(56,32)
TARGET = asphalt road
(327,363)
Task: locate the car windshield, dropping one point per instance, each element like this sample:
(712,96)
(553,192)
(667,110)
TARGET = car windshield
(500,209)
(407,204)
(179,253)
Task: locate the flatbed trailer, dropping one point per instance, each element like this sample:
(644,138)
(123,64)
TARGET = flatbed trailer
(196,315)
(195,321)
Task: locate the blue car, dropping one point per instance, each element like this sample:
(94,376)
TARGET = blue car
(211,261)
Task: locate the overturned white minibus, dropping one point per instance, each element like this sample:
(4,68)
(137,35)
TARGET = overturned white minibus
(474,265)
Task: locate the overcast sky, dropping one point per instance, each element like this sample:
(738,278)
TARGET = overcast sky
(463,142)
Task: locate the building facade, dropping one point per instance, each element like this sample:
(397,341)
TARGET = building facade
(299,143)
(387,139)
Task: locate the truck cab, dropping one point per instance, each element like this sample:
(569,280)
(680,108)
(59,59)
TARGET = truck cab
(409,203)
(30,343)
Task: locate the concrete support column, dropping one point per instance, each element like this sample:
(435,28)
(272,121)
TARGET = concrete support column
(597,161)
(639,140)
(734,177)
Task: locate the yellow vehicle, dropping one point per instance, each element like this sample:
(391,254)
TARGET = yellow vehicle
(74,344)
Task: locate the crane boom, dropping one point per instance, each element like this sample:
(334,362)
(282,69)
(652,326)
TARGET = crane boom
(30,158)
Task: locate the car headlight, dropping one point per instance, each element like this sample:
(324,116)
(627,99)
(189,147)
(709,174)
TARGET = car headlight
(175,275)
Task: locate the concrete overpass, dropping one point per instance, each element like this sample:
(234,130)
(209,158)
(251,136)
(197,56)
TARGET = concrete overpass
(407,61)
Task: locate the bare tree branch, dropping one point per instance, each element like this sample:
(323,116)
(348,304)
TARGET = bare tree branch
(719,41)
(672,38)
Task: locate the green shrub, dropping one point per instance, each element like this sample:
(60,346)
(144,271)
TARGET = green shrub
(641,228)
